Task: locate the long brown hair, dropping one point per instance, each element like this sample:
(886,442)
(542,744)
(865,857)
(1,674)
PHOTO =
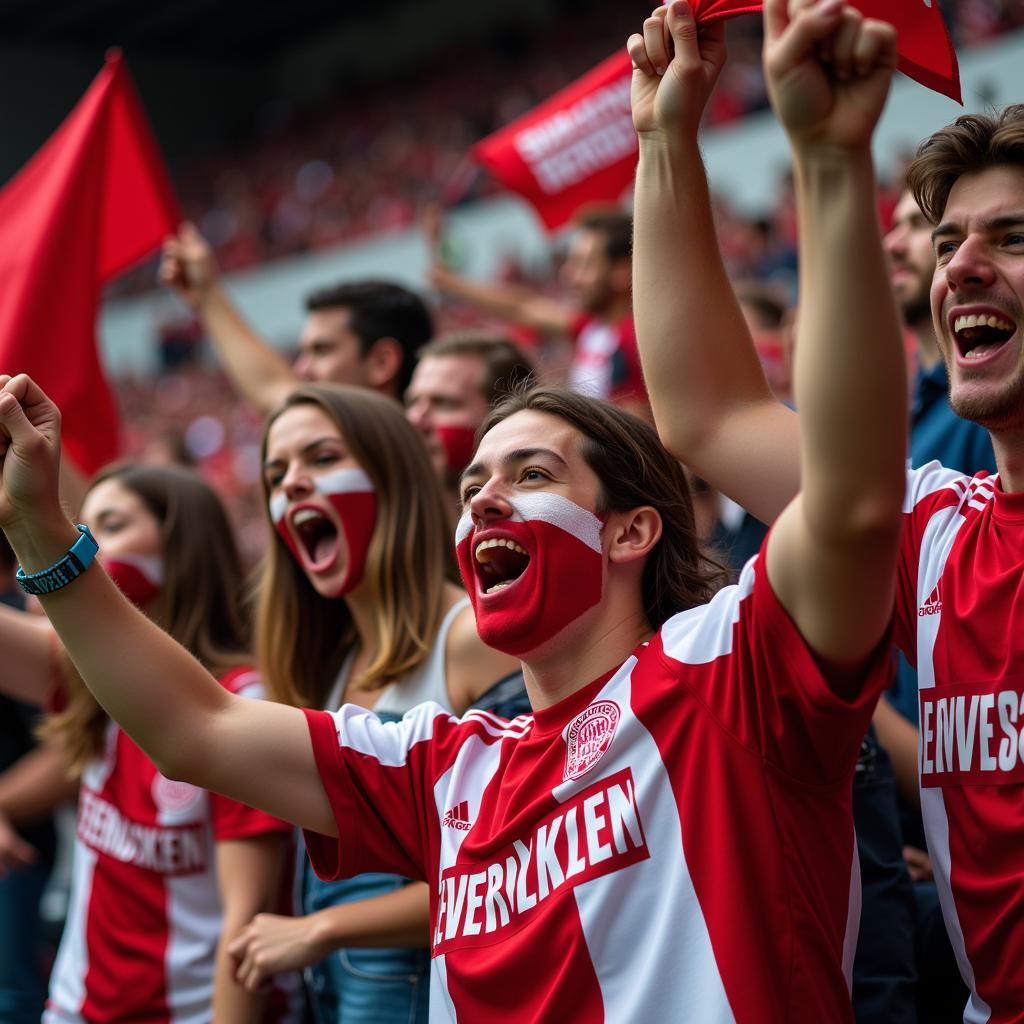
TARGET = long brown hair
(201,603)
(972,143)
(303,638)
(634,469)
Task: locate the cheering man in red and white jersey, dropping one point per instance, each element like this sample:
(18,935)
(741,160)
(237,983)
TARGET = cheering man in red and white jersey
(669,833)
(960,598)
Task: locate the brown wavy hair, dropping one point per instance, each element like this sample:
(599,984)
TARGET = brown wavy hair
(201,603)
(972,143)
(634,469)
(302,637)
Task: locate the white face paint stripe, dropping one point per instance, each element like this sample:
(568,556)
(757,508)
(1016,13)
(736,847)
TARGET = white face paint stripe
(350,480)
(547,508)
(560,512)
(278,507)
(344,481)
(465,527)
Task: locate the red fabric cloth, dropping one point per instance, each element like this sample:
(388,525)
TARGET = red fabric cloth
(925,50)
(95,199)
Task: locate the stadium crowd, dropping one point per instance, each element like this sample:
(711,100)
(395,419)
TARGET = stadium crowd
(498,755)
(369,161)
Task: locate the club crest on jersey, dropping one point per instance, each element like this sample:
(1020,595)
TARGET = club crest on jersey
(175,797)
(588,736)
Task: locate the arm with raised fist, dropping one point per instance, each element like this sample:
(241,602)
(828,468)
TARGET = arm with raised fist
(512,302)
(832,555)
(259,371)
(712,406)
(254,751)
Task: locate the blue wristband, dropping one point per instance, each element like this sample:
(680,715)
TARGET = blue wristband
(66,571)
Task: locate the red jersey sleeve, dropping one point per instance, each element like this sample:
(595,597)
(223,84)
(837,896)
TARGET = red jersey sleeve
(232,820)
(930,489)
(744,658)
(379,778)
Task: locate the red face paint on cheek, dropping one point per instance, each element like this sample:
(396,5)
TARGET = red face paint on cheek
(138,578)
(351,494)
(357,511)
(458,445)
(562,579)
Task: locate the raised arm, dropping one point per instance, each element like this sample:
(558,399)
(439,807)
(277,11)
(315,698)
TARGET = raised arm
(510,302)
(832,555)
(711,403)
(259,371)
(194,730)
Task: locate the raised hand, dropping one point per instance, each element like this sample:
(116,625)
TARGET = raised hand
(188,265)
(828,70)
(675,67)
(29,451)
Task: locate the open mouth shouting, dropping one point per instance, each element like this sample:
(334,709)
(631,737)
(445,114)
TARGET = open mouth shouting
(980,335)
(499,562)
(534,574)
(330,537)
(317,537)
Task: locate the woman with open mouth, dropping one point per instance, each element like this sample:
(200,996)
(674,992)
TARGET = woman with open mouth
(359,605)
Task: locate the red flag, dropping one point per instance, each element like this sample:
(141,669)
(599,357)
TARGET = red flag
(925,50)
(577,147)
(95,199)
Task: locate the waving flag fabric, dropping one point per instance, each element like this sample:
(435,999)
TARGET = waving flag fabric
(579,147)
(94,200)
(925,49)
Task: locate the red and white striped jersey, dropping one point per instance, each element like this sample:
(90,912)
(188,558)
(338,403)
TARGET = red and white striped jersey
(960,619)
(145,914)
(672,842)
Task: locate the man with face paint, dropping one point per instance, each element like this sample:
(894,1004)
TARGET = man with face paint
(457,380)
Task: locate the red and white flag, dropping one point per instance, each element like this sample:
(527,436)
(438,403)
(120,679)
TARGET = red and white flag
(579,147)
(576,148)
(94,200)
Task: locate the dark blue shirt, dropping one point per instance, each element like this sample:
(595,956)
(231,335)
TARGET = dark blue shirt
(937,433)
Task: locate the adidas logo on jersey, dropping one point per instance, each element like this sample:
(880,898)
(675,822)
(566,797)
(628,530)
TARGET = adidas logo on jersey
(458,817)
(933,605)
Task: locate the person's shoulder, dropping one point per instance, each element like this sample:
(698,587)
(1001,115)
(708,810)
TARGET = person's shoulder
(705,632)
(934,485)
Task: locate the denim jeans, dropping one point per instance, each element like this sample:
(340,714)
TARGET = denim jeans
(884,976)
(364,986)
(21,983)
